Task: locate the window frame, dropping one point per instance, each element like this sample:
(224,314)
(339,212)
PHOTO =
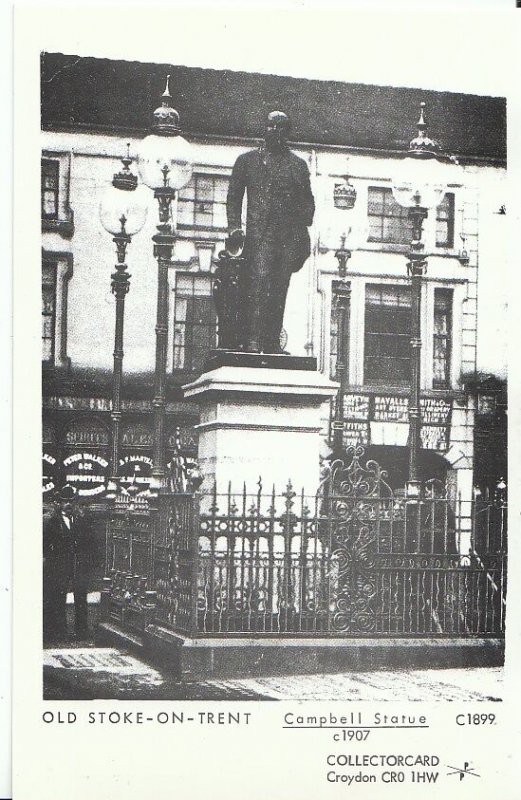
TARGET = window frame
(46,162)
(47,262)
(448,244)
(402,215)
(404,289)
(181,347)
(63,265)
(430,228)
(193,224)
(447,292)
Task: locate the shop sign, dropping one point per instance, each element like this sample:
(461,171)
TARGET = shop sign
(434,437)
(391,409)
(187,439)
(355,433)
(137,436)
(86,472)
(356,406)
(87,433)
(48,473)
(435,411)
(135,468)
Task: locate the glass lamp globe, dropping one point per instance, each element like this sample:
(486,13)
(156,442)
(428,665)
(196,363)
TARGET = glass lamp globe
(418,182)
(165,161)
(130,204)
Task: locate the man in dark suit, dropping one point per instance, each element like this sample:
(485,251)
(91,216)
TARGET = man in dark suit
(280,208)
(67,560)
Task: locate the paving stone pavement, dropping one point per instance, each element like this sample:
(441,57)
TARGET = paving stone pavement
(84,672)
(444,684)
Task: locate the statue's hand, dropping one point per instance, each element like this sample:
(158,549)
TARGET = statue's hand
(235,241)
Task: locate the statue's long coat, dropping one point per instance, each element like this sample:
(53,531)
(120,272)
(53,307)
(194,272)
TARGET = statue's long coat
(280,208)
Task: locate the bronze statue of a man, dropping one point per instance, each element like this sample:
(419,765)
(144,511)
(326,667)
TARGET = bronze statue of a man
(280,209)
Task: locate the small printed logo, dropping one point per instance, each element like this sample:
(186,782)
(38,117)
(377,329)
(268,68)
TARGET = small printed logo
(466,769)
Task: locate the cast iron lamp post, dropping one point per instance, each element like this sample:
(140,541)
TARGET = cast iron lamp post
(165,165)
(122,211)
(341,299)
(417,187)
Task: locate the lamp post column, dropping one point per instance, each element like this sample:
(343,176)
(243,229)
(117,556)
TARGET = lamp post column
(342,301)
(416,268)
(164,241)
(120,287)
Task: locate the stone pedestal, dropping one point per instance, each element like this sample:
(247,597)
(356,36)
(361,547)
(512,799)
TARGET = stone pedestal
(260,422)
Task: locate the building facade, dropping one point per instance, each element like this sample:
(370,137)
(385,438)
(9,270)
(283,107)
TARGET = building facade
(340,130)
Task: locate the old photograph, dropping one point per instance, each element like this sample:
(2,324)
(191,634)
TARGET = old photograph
(274,388)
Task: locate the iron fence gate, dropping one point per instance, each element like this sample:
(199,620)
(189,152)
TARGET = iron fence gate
(357,559)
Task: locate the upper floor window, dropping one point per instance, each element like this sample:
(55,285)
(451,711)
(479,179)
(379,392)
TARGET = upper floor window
(389,222)
(48,310)
(194,321)
(50,188)
(445,222)
(442,341)
(387,335)
(202,202)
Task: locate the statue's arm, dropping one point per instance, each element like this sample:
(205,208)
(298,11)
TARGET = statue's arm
(307,201)
(235,197)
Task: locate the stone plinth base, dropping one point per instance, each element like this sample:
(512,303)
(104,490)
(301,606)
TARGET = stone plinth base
(241,657)
(260,422)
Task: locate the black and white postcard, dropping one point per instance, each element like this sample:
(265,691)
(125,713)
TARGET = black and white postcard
(261,454)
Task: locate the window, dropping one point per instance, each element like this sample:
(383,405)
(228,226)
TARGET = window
(202,202)
(389,222)
(194,321)
(445,222)
(387,335)
(442,344)
(48,310)
(50,188)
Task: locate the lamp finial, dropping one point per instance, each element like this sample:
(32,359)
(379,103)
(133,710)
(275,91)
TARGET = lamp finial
(166,118)
(422,146)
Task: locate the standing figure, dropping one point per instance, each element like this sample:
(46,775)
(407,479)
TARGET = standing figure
(280,208)
(67,562)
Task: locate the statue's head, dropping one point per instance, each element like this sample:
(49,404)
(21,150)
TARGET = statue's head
(276,130)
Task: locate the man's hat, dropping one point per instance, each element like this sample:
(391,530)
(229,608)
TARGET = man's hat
(67,492)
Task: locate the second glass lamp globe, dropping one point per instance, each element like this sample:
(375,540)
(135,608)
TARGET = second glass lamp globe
(124,210)
(418,182)
(165,161)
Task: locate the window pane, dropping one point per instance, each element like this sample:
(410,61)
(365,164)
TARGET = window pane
(442,340)
(48,309)
(50,188)
(445,222)
(387,335)
(203,202)
(194,321)
(388,221)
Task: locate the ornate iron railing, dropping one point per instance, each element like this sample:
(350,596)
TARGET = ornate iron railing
(357,559)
